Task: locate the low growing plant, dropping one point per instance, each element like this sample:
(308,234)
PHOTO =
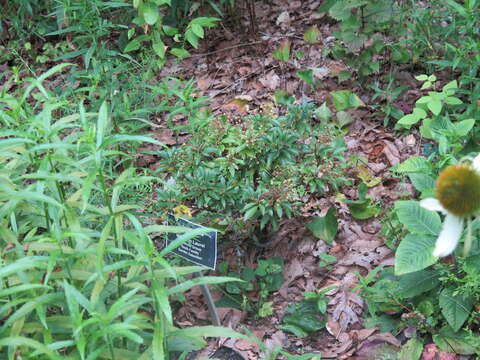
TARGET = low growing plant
(257,170)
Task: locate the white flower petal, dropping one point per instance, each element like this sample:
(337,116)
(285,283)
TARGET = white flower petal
(432,204)
(449,236)
(476,163)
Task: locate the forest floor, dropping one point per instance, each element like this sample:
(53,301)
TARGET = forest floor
(238,75)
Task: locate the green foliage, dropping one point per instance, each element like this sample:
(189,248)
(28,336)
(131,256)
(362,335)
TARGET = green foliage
(307,316)
(361,22)
(257,170)
(80,274)
(266,278)
(325,227)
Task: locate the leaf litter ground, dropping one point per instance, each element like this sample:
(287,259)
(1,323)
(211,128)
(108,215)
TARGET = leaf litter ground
(238,75)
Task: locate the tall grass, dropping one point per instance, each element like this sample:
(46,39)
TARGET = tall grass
(80,277)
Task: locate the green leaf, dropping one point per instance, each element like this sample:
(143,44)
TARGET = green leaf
(282,52)
(159,48)
(418,282)
(323,113)
(459,342)
(363,209)
(180,53)
(325,227)
(344,118)
(462,128)
(17,341)
(198,30)
(345,99)
(414,253)
(412,350)
(435,106)
(207,331)
(307,76)
(311,35)
(422,77)
(150,13)
(417,219)
(132,45)
(422,182)
(413,164)
(455,307)
(103,122)
(204,280)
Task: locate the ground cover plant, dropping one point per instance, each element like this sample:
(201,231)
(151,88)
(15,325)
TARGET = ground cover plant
(332,144)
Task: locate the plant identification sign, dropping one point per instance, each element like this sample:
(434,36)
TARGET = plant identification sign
(201,250)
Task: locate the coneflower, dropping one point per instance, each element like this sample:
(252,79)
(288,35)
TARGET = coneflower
(457,192)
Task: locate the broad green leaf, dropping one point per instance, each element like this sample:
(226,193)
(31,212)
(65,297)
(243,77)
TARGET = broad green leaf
(417,219)
(363,209)
(344,118)
(414,253)
(345,99)
(323,113)
(307,76)
(159,48)
(462,128)
(416,283)
(413,165)
(325,227)
(150,13)
(455,307)
(180,53)
(460,342)
(435,106)
(422,182)
(311,35)
(412,350)
(422,77)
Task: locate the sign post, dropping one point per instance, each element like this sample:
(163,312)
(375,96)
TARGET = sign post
(201,250)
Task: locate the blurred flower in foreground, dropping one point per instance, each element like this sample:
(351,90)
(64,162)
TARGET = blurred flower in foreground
(457,197)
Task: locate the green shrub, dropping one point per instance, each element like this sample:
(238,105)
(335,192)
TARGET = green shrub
(259,170)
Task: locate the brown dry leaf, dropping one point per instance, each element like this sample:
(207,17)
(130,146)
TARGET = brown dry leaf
(271,80)
(204,83)
(165,136)
(284,20)
(292,270)
(278,338)
(392,153)
(432,352)
(244,345)
(238,105)
(347,307)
